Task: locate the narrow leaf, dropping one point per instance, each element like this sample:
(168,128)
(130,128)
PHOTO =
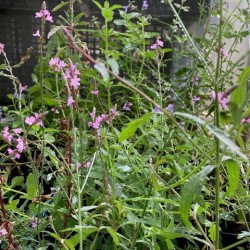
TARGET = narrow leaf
(59,6)
(191,191)
(31,186)
(217,133)
(233,174)
(133,126)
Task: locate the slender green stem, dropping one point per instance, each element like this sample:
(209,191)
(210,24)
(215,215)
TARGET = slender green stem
(217,142)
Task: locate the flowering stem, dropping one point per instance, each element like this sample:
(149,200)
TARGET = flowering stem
(132,87)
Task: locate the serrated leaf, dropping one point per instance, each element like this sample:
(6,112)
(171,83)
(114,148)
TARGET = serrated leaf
(101,68)
(191,191)
(13,205)
(98,4)
(217,133)
(132,126)
(233,175)
(17,181)
(53,31)
(59,6)
(52,155)
(31,186)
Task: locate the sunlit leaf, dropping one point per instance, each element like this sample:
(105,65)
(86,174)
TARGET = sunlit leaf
(233,175)
(31,186)
(132,126)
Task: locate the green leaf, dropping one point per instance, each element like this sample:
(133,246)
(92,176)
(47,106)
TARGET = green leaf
(97,4)
(239,96)
(107,14)
(50,101)
(114,65)
(59,6)
(191,191)
(217,133)
(233,175)
(52,155)
(131,127)
(101,68)
(17,181)
(113,234)
(13,205)
(49,138)
(31,186)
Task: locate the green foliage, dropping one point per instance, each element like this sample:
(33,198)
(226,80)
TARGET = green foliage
(90,161)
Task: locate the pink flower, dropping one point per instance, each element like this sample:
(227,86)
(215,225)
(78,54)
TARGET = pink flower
(20,145)
(87,164)
(17,130)
(71,73)
(30,120)
(158,43)
(6,135)
(154,46)
(36,119)
(13,153)
(223,52)
(223,100)
(245,120)
(74,82)
(57,64)
(44,13)
(95,92)
(37,34)
(3,232)
(196,98)
(1,48)
(70,101)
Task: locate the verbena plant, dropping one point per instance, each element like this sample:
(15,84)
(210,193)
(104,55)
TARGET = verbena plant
(119,152)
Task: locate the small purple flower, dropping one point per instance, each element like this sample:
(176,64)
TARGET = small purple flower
(170,108)
(127,106)
(145,5)
(195,80)
(126,8)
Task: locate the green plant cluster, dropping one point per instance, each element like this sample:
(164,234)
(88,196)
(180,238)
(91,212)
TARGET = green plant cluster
(125,151)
